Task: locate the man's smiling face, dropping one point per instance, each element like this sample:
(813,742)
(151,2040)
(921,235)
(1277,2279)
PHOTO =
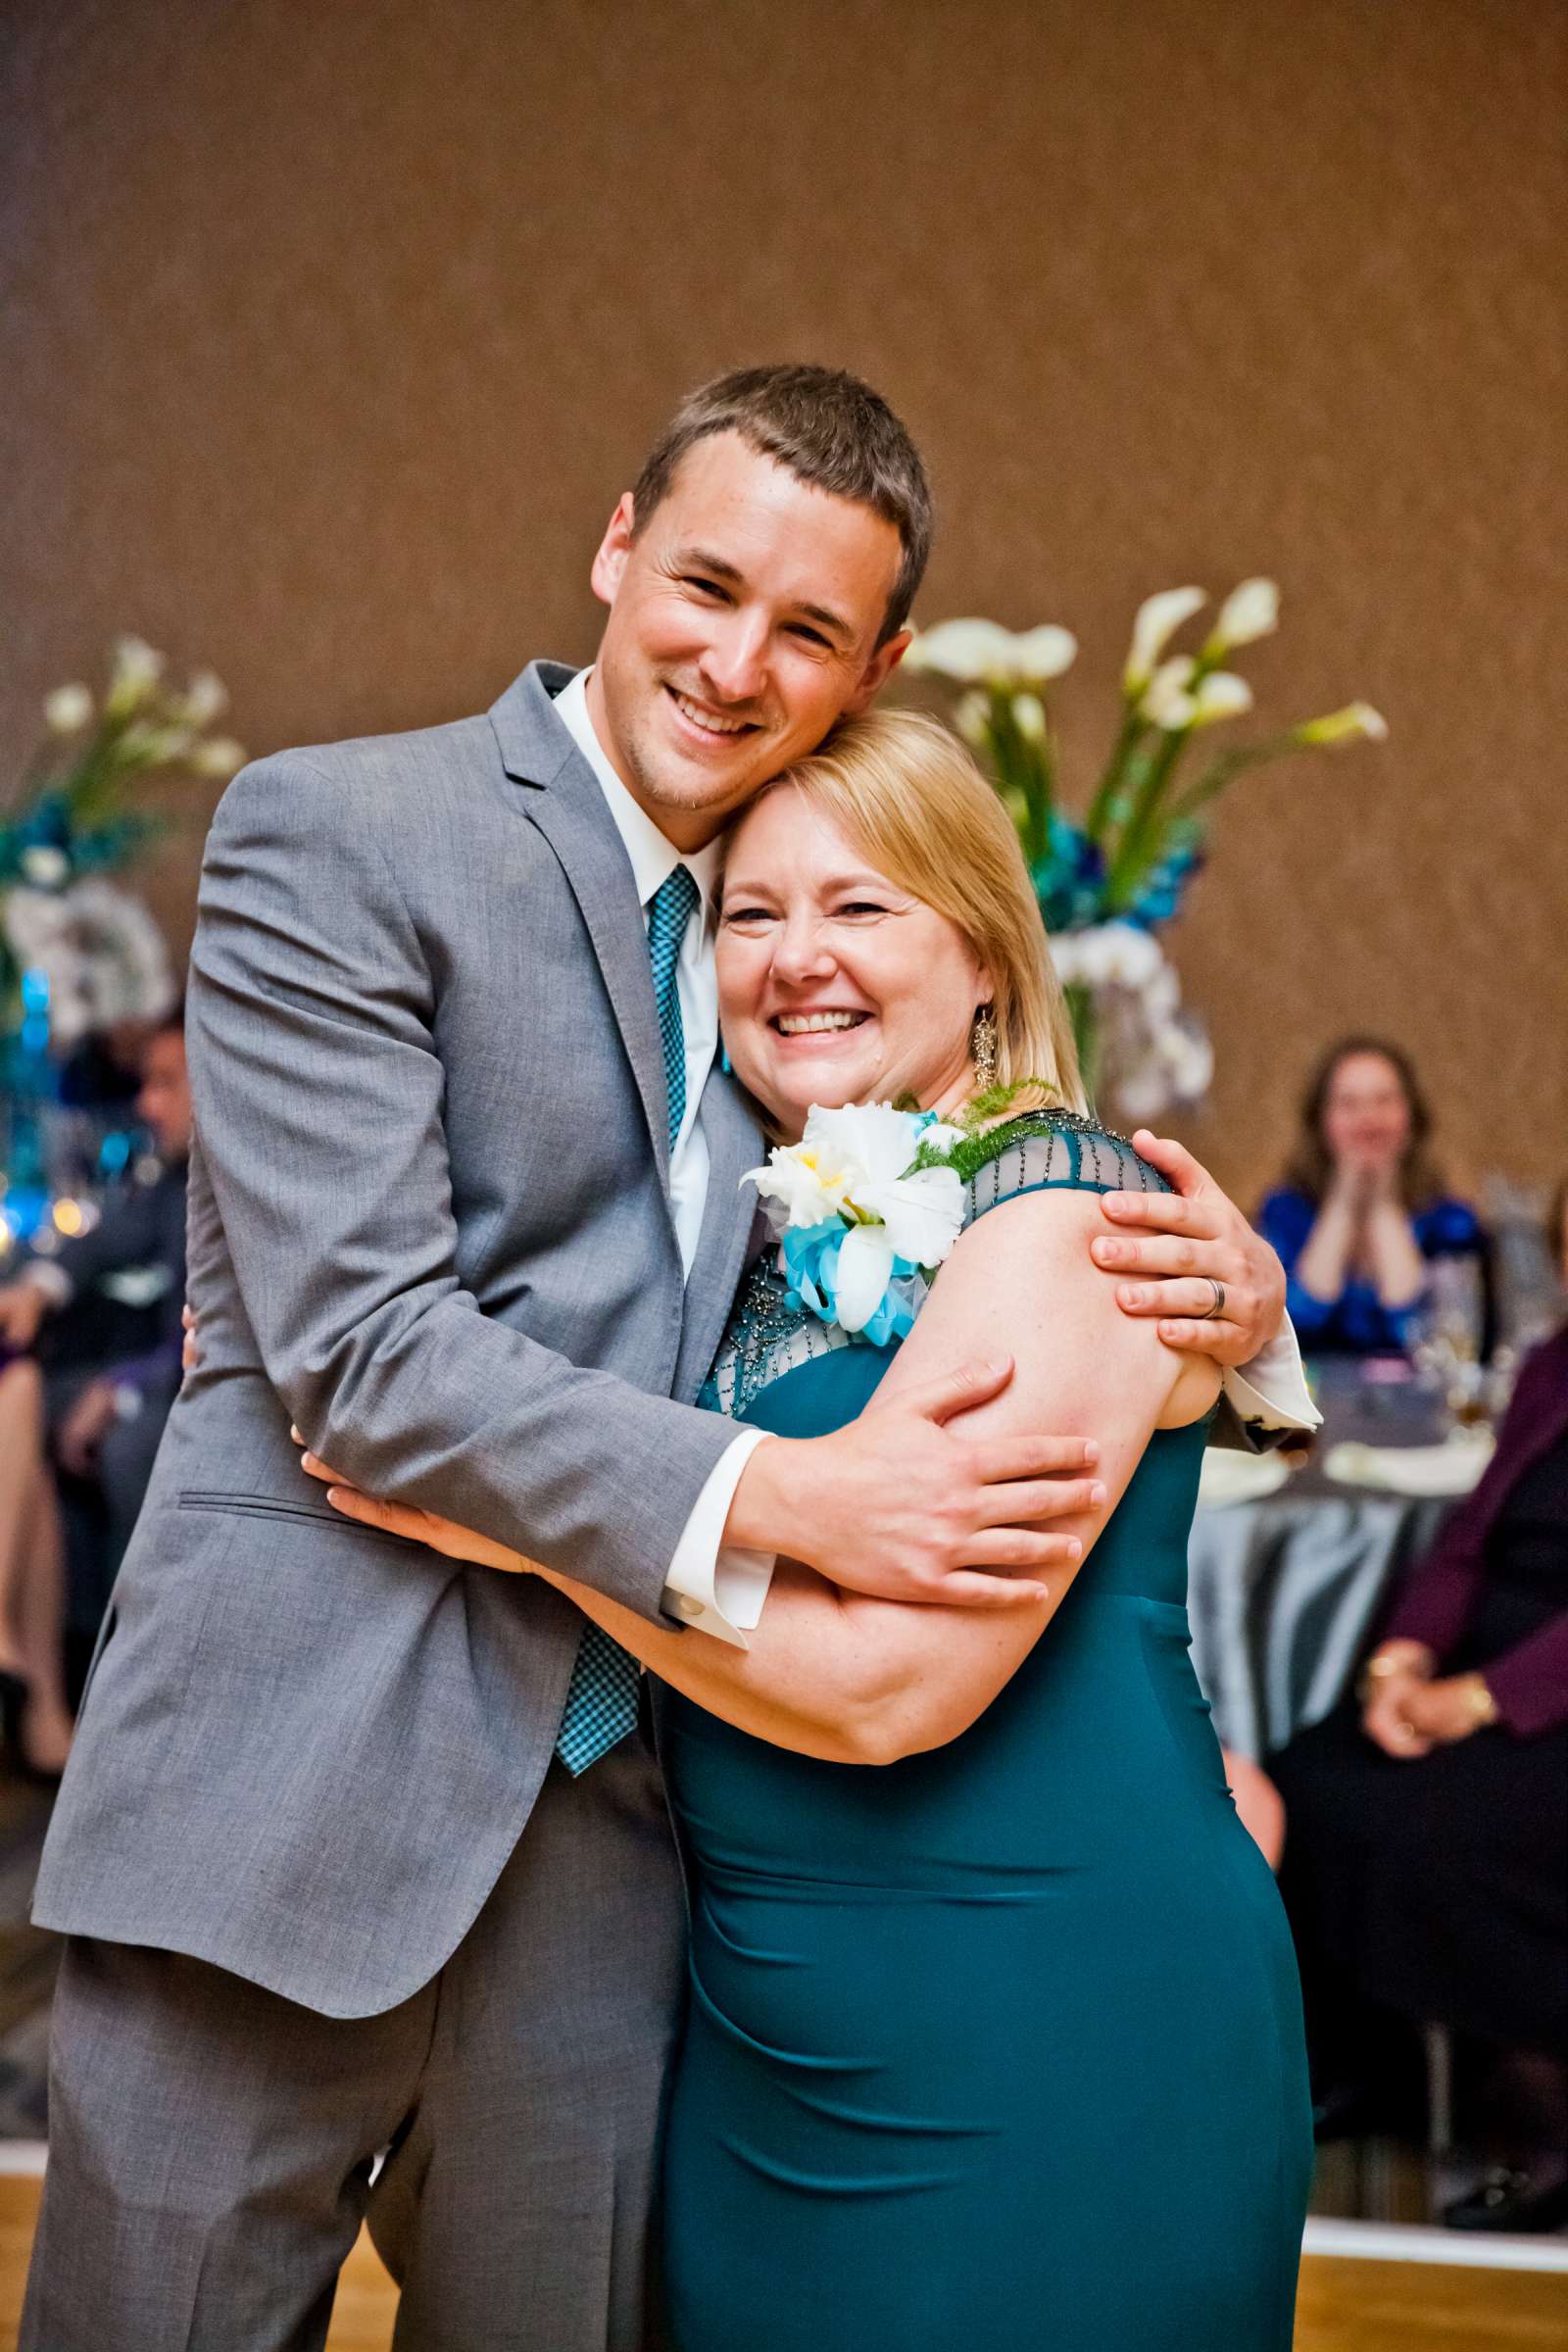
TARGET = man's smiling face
(744,620)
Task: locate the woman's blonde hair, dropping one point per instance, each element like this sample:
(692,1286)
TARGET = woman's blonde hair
(911,798)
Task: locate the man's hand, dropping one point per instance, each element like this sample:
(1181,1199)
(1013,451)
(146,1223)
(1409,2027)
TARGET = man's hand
(902,1505)
(1196,1236)
(85,1426)
(23,1306)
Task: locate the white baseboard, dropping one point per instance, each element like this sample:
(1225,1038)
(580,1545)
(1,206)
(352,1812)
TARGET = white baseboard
(1386,2241)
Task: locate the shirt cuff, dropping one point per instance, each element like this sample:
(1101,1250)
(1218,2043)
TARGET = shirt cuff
(718,1587)
(1270,1390)
(53,1281)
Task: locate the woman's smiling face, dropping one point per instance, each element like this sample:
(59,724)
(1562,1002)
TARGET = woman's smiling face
(835,984)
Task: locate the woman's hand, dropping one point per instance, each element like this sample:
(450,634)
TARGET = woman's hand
(1353,1184)
(414,1525)
(1394,1675)
(1448,1710)
(1388,1722)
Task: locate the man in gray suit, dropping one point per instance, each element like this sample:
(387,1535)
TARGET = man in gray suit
(362,1854)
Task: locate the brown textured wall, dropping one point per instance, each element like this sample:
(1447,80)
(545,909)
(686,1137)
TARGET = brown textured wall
(331,332)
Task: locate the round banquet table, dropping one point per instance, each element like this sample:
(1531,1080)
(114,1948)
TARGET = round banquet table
(1284,1593)
(1284,1597)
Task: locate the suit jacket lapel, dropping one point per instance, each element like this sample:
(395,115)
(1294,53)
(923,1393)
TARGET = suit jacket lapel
(565,801)
(734,1144)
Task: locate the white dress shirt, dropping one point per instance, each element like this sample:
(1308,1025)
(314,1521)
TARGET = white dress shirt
(716,1587)
(1271,1385)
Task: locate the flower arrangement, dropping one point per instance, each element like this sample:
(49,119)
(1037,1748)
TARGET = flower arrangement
(1108,879)
(71,817)
(865,1210)
(92,954)
(76,951)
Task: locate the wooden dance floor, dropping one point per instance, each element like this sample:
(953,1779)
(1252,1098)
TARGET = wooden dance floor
(1346,2305)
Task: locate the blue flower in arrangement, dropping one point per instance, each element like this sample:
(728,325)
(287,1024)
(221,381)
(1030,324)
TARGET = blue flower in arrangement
(1161,894)
(1070,879)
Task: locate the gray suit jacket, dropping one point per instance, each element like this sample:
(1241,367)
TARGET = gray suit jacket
(429,1223)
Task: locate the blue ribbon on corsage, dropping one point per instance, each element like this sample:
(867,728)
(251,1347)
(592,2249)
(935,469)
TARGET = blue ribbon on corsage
(865,1210)
(809,1258)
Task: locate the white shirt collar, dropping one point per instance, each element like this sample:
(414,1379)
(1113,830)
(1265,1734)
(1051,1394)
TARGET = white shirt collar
(652,858)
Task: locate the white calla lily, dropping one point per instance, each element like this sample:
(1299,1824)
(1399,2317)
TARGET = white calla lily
(1221,695)
(866,1266)
(968,651)
(973,652)
(1043,654)
(1250,611)
(1356,723)
(217,756)
(206,700)
(67,709)
(1154,624)
(972,718)
(1029,717)
(1165,700)
(138,666)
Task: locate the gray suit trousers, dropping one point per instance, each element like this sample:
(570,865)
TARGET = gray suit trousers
(211,2143)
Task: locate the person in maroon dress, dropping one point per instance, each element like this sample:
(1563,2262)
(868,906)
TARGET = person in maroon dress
(1426,1862)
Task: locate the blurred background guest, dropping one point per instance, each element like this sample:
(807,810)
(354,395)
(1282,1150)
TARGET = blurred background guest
(1426,1865)
(34,1716)
(71,1392)
(1362,1212)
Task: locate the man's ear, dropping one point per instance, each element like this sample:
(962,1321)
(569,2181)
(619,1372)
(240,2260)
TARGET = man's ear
(877,672)
(613,549)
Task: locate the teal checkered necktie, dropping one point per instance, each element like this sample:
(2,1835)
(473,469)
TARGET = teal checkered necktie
(601,1700)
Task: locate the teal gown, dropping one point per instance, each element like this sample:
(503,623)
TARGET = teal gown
(997,2048)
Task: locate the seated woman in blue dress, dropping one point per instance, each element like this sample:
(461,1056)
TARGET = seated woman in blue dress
(1362,1212)
(995,2032)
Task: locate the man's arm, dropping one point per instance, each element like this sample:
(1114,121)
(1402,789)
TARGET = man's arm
(318,1096)
(320,1117)
(837,1675)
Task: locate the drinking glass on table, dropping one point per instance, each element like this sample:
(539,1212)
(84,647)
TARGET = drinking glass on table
(1445,1341)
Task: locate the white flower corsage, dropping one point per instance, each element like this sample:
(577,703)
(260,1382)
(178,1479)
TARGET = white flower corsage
(861,1227)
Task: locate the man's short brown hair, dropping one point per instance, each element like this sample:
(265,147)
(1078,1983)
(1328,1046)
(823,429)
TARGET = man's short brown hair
(827,428)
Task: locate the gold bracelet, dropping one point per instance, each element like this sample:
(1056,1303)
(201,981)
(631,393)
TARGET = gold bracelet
(1479,1699)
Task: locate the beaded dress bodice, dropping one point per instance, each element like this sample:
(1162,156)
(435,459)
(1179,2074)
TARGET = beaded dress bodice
(1040,1152)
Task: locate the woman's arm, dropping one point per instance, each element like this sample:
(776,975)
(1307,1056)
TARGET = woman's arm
(1394,1257)
(832,1674)
(1323,1266)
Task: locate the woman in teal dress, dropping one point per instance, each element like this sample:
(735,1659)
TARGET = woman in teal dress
(995,2032)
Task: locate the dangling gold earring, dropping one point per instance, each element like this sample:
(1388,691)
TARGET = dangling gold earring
(983,1048)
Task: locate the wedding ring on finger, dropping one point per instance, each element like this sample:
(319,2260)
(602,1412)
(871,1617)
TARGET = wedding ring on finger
(1218,1307)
